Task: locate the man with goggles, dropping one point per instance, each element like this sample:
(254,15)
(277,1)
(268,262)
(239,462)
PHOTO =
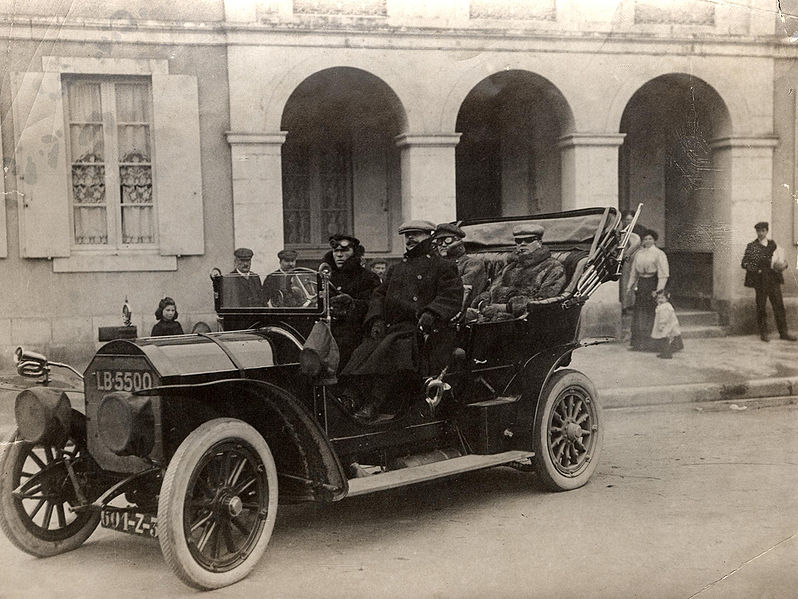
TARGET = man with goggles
(448,239)
(352,285)
(530,274)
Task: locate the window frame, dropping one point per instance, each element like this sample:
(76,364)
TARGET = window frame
(111,162)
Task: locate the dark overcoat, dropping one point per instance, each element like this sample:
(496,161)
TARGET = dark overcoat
(359,283)
(241,291)
(422,282)
(757,264)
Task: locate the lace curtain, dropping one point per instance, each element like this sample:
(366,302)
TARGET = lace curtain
(88,169)
(88,136)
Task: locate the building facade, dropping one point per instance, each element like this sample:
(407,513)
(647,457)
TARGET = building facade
(143,141)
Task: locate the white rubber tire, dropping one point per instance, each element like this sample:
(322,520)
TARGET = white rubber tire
(182,470)
(568,420)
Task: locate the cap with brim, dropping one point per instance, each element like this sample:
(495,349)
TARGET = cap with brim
(447,230)
(287,255)
(528,230)
(423,226)
(761,225)
(243,253)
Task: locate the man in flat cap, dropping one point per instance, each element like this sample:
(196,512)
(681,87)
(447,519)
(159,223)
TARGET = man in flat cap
(241,287)
(352,286)
(406,325)
(763,272)
(448,238)
(530,274)
(279,288)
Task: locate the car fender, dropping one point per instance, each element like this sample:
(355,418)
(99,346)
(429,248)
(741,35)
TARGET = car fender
(278,415)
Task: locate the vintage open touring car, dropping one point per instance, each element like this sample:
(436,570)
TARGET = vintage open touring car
(194,439)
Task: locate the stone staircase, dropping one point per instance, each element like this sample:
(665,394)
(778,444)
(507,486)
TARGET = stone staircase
(696,324)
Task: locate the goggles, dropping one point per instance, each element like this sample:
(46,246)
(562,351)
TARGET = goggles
(341,244)
(447,240)
(527,239)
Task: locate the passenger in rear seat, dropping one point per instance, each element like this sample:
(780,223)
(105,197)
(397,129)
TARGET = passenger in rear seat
(448,238)
(530,274)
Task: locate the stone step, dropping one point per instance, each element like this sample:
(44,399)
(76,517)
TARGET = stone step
(698,318)
(702,332)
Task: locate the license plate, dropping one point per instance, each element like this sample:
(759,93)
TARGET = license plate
(134,523)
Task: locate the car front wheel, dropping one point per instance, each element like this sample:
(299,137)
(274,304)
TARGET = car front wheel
(218,504)
(568,431)
(37,494)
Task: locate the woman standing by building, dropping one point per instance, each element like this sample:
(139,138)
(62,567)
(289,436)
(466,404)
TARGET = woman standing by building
(649,275)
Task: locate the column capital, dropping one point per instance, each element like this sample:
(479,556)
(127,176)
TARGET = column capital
(243,138)
(607,140)
(745,142)
(434,140)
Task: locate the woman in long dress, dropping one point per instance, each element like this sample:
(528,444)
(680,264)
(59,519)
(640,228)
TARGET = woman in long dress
(649,274)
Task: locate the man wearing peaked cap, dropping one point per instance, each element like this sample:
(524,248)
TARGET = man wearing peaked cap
(241,287)
(448,238)
(531,273)
(423,226)
(415,303)
(278,286)
(763,272)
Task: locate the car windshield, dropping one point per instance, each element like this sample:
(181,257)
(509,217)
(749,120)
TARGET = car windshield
(294,289)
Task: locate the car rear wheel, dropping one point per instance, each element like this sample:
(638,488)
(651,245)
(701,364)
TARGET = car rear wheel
(39,520)
(218,504)
(568,431)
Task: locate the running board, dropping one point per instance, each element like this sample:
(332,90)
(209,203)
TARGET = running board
(427,472)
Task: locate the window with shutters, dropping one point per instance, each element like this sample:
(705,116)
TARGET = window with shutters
(110,163)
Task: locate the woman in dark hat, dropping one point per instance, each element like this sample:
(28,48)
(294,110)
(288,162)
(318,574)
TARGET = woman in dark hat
(352,286)
(649,275)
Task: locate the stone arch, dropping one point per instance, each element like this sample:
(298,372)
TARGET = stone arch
(507,162)
(736,109)
(341,167)
(668,162)
(450,108)
(293,77)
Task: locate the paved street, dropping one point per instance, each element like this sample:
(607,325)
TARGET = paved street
(688,501)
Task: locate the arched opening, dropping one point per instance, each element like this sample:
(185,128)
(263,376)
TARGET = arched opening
(667,162)
(507,160)
(340,164)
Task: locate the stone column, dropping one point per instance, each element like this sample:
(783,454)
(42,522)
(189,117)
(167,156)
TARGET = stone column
(590,169)
(590,178)
(258,195)
(743,188)
(428,176)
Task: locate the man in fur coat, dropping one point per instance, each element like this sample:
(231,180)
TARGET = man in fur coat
(530,274)
(352,288)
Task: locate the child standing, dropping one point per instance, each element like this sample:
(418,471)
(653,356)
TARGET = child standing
(665,331)
(167,319)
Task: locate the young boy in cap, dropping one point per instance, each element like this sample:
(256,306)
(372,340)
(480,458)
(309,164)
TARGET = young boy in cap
(241,287)
(277,287)
(530,274)
(766,281)
(448,238)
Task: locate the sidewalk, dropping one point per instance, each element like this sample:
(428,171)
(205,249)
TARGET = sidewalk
(713,369)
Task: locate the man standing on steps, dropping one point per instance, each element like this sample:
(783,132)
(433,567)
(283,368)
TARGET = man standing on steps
(764,275)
